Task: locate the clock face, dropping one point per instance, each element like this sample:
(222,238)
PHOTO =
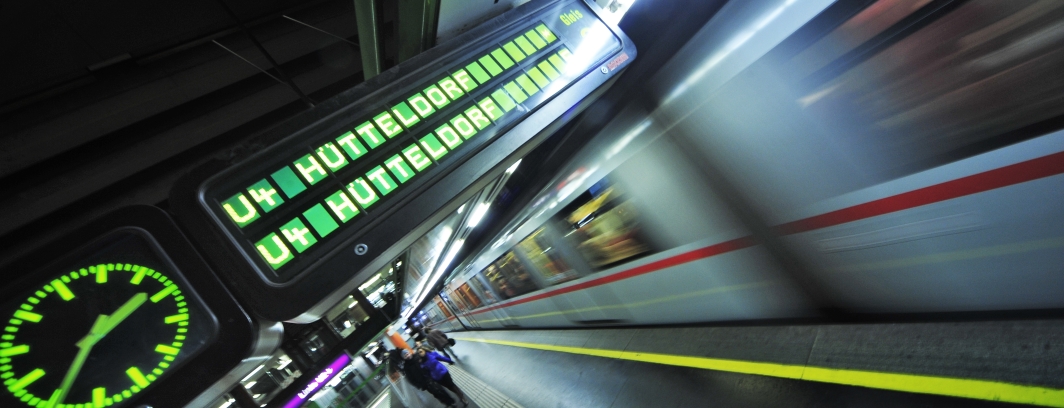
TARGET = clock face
(100,331)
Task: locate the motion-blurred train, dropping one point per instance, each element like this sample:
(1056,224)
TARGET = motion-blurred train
(797,157)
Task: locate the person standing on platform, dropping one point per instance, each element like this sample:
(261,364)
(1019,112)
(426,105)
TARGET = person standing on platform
(430,361)
(421,378)
(441,342)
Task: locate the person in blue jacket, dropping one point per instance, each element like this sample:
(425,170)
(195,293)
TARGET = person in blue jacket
(418,376)
(431,362)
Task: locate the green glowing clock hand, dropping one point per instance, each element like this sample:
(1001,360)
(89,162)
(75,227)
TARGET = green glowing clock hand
(84,346)
(121,314)
(103,325)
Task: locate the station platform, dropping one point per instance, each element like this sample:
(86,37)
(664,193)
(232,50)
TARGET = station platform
(478,393)
(959,364)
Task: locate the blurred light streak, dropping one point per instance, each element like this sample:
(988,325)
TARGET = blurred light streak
(952,256)
(731,46)
(513,167)
(478,214)
(628,138)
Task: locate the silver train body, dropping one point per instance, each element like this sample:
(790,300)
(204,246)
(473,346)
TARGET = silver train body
(900,158)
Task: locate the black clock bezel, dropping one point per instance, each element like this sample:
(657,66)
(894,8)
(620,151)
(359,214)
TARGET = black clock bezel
(234,334)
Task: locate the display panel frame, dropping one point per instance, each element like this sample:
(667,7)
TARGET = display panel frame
(302,295)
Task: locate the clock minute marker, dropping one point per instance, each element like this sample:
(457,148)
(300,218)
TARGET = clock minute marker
(62,289)
(176,318)
(99,396)
(137,377)
(101,273)
(139,276)
(163,293)
(28,316)
(26,380)
(162,348)
(15,350)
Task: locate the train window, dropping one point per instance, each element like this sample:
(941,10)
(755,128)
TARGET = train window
(509,276)
(438,316)
(546,259)
(431,317)
(457,302)
(446,311)
(985,75)
(471,300)
(486,293)
(604,226)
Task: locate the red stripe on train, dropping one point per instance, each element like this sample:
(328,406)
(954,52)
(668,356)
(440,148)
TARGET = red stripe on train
(694,255)
(1002,177)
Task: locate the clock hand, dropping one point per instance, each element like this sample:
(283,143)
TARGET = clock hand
(103,325)
(122,313)
(85,346)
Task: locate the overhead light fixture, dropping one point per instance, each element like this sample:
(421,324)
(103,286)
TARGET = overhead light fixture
(455,247)
(513,167)
(248,377)
(478,214)
(423,287)
(370,282)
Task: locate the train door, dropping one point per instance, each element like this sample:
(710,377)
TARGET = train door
(474,303)
(462,317)
(448,314)
(547,271)
(497,317)
(486,298)
(552,257)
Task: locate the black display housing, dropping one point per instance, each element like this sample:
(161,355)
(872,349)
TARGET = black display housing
(303,291)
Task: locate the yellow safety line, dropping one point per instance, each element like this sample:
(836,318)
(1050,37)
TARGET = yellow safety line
(923,384)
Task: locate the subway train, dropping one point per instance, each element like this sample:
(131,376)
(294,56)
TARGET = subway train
(804,159)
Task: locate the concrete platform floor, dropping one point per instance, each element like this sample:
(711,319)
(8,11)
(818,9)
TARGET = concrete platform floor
(478,393)
(569,368)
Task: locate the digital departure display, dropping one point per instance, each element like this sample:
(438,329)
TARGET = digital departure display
(296,201)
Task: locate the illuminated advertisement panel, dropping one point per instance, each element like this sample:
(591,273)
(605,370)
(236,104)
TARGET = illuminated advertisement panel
(321,379)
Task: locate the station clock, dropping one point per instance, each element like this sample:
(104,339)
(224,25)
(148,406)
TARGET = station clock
(108,315)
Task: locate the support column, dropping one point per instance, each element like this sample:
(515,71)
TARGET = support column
(417,26)
(397,340)
(368,37)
